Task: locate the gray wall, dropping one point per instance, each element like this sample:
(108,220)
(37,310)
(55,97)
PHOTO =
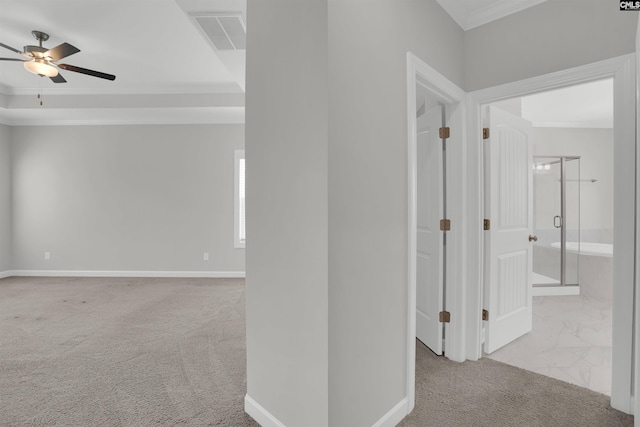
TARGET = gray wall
(347,189)
(552,36)
(368,200)
(363,211)
(287,225)
(5,199)
(145,198)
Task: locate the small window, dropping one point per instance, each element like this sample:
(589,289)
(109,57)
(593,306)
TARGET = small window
(239,228)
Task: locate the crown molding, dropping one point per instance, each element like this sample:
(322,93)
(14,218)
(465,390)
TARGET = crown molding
(160,90)
(468,19)
(573,125)
(123,116)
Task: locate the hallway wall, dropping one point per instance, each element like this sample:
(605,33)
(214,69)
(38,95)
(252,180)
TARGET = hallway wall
(552,36)
(287,223)
(368,193)
(327,140)
(332,287)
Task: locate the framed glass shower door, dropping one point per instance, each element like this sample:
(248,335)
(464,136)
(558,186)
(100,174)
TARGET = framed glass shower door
(556,220)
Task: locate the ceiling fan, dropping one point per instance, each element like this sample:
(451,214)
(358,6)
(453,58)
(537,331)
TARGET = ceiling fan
(43,61)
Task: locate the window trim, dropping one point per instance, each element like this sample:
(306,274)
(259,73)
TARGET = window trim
(237,242)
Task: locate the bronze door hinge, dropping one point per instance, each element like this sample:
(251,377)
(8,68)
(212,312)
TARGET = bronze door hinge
(445,317)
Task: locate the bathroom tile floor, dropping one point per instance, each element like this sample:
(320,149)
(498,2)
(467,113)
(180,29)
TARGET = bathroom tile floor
(570,341)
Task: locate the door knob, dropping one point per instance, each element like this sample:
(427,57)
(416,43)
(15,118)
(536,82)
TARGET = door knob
(533,238)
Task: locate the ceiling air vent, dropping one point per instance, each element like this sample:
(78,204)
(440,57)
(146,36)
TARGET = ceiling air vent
(224,31)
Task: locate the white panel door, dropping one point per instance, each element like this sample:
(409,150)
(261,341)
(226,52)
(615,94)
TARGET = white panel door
(429,255)
(509,206)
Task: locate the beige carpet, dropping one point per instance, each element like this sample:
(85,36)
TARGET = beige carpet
(490,393)
(171,352)
(122,352)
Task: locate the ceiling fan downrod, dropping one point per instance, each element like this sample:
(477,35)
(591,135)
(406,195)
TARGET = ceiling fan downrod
(40,36)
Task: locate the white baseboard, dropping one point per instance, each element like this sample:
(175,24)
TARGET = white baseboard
(5,274)
(265,419)
(133,273)
(546,291)
(395,415)
(258,413)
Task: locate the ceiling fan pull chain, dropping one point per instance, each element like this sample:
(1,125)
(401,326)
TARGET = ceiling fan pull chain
(40,92)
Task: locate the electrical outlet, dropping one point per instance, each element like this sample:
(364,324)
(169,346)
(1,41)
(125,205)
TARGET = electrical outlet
(205,256)
(47,255)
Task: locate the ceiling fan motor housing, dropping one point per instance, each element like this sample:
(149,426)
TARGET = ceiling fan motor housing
(34,51)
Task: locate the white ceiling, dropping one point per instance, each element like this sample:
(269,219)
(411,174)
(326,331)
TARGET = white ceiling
(588,105)
(473,13)
(152,46)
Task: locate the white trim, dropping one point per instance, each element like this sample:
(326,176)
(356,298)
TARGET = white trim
(266,419)
(412,126)
(622,70)
(123,116)
(110,90)
(624,205)
(258,413)
(124,273)
(547,291)
(213,120)
(5,274)
(468,19)
(559,79)
(448,93)
(394,416)
(572,125)
(635,397)
(498,10)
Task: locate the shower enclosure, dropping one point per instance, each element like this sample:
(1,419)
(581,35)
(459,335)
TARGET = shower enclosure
(556,221)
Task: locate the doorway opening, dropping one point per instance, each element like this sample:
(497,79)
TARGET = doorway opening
(465,267)
(572,247)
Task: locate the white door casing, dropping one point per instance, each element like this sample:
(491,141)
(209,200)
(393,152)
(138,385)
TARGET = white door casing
(509,207)
(429,249)
(623,71)
(636,363)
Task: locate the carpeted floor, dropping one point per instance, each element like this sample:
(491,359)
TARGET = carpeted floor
(122,352)
(110,352)
(491,393)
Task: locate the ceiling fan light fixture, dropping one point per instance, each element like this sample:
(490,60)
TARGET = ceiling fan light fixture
(41,68)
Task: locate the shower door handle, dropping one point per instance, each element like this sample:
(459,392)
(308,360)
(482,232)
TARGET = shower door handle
(557,221)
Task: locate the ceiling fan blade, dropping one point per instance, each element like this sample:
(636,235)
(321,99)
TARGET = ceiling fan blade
(61,51)
(58,79)
(10,48)
(13,59)
(87,72)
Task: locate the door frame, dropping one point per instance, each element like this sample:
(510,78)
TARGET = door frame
(454,98)
(622,70)
(636,380)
